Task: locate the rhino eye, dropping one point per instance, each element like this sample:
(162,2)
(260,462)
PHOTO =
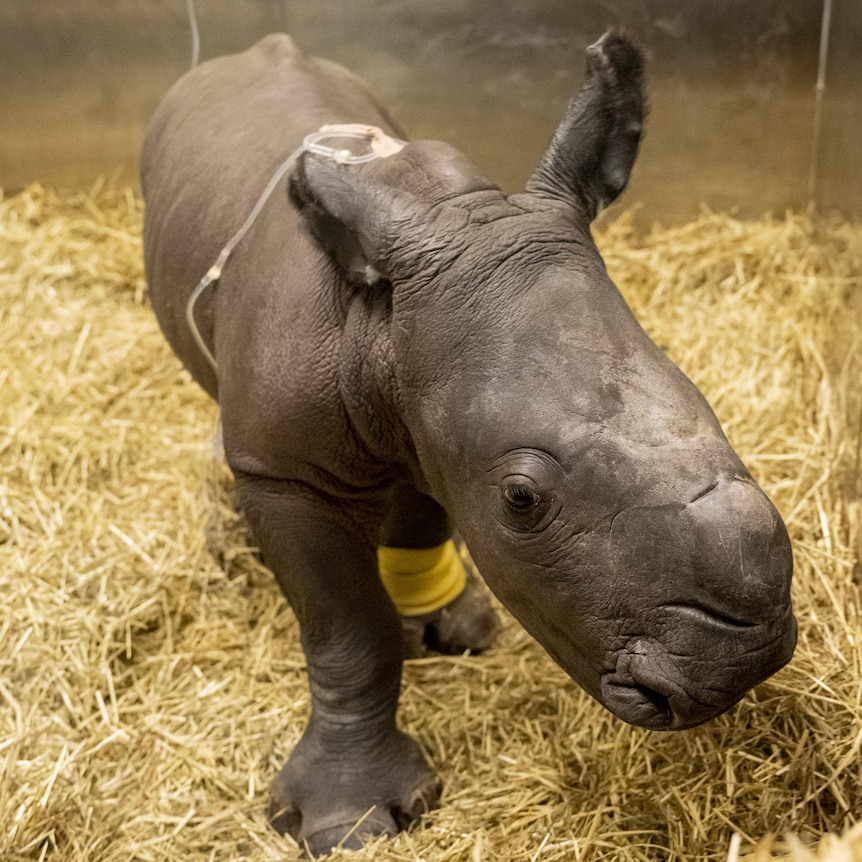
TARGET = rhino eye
(520,496)
(524,506)
(525,482)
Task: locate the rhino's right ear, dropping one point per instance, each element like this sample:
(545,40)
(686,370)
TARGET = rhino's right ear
(388,218)
(590,158)
(350,214)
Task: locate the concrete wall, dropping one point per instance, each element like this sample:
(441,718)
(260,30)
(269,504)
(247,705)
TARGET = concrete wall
(732,85)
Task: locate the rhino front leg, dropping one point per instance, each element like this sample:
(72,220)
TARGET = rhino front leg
(352,764)
(442,605)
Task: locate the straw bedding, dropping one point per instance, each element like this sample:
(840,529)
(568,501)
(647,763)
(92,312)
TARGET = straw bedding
(151,680)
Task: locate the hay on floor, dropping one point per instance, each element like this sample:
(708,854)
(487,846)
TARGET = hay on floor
(151,680)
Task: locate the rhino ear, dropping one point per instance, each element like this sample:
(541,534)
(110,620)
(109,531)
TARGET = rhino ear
(350,214)
(590,157)
(383,218)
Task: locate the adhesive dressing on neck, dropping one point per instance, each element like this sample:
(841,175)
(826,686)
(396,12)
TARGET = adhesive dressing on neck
(378,145)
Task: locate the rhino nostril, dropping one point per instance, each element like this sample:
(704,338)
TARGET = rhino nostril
(727,480)
(708,490)
(709,616)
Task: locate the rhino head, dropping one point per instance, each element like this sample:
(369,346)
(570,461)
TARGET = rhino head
(589,477)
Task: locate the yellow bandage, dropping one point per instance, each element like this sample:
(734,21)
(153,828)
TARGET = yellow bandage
(421,581)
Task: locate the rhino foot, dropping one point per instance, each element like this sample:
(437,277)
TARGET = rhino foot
(327,801)
(467,624)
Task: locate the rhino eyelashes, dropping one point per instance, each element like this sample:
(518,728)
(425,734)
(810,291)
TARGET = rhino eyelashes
(521,496)
(530,515)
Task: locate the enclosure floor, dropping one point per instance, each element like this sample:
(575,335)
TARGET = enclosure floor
(151,679)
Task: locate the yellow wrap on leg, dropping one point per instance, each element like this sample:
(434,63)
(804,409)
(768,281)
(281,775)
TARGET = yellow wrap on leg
(421,581)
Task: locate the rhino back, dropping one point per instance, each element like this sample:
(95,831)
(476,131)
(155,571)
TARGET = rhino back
(210,148)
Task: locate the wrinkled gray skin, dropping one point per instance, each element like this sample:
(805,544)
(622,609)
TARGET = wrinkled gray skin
(490,370)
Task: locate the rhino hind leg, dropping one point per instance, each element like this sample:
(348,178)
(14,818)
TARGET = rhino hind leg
(468,623)
(442,602)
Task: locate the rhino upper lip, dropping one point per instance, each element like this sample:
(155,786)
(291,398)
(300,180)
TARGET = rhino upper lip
(636,674)
(652,698)
(651,684)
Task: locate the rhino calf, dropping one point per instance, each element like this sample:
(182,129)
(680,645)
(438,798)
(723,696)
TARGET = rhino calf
(402,350)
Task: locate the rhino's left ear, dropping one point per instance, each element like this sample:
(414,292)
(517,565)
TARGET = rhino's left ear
(590,158)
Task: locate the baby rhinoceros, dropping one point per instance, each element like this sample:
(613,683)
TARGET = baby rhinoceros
(400,350)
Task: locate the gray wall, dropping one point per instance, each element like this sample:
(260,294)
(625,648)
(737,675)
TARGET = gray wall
(732,85)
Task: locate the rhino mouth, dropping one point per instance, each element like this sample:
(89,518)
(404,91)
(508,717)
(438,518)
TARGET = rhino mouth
(647,698)
(651,687)
(638,704)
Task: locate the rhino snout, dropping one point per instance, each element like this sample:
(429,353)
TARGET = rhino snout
(719,619)
(739,552)
(725,552)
